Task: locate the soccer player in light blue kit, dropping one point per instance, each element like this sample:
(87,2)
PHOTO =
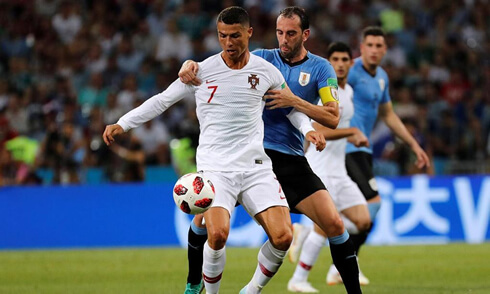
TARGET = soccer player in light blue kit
(311,78)
(371,101)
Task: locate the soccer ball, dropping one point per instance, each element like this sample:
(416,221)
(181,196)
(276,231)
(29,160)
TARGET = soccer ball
(193,193)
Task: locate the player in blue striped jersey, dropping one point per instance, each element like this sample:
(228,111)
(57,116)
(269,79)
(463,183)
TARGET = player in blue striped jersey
(372,101)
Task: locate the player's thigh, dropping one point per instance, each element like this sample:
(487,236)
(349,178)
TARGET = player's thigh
(359,215)
(360,169)
(320,208)
(218,226)
(261,190)
(226,189)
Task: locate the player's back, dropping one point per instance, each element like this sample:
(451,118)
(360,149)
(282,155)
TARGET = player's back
(304,78)
(369,92)
(229,108)
(331,161)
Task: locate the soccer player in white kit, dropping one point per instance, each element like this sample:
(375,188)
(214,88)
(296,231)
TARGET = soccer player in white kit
(230,152)
(329,165)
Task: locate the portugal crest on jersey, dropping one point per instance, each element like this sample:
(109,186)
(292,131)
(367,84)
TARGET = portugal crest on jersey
(253,80)
(304,78)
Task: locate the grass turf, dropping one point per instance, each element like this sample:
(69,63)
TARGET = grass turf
(454,268)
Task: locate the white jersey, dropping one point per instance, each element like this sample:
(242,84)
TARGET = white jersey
(331,161)
(229,108)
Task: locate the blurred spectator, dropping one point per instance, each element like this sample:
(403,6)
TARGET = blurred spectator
(173,44)
(129,95)
(67,22)
(94,94)
(128,59)
(154,138)
(130,160)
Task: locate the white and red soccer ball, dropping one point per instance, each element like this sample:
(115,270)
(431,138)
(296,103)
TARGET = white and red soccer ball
(193,193)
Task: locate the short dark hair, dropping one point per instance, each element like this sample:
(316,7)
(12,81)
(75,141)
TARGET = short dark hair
(233,15)
(338,47)
(291,11)
(373,31)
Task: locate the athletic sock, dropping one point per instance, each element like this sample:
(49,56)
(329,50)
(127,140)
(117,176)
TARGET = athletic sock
(270,259)
(213,266)
(309,254)
(358,240)
(196,238)
(344,258)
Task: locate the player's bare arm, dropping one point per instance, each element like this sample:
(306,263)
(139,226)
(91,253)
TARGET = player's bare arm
(392,120)
(110,132)
(327,115)
(353,135)
(188,73)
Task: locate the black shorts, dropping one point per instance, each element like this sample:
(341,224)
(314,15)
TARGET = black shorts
(360,169)
(294,174)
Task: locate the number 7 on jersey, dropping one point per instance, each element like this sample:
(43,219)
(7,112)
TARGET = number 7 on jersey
(212,93)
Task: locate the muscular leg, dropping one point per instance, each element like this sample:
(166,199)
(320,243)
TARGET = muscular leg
(276,222)
(359,216)
(320,208)
(214,257)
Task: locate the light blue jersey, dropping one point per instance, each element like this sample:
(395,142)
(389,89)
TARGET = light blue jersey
(305,79)
(369,92)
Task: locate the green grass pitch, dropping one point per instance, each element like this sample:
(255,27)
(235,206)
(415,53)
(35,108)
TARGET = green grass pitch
(426,269)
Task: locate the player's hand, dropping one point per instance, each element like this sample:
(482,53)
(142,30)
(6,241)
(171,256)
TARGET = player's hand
(316,138)
(422,158)
(110,132)
(280,98)
(358,139)
(188,73)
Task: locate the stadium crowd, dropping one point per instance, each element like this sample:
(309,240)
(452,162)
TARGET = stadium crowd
(68,68)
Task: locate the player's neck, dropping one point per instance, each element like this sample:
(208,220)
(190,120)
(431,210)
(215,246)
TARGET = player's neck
(342,82)
(370,68)
(301,55)
(239,63)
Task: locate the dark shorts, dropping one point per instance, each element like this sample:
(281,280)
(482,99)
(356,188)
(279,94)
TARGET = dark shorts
(294,174)
(360,169)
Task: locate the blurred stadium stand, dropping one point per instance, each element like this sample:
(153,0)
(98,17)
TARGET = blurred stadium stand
(68,68)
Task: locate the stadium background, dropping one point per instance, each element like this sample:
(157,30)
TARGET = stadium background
(68,68)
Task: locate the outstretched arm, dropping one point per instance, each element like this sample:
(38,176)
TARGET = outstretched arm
(327,114)
(392,120)
(151,108)
(353,135)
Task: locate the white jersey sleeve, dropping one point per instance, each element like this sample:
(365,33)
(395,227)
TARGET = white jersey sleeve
(300,121)
(155,105)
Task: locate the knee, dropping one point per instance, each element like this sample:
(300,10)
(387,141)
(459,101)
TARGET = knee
(363,224)
(282,240)
(335,226)
(217,238)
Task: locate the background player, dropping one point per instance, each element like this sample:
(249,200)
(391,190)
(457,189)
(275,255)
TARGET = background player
(330,167)
(230,104)
(372,100)
(311,78)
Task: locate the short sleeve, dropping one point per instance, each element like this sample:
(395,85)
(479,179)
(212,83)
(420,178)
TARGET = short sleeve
(386,92)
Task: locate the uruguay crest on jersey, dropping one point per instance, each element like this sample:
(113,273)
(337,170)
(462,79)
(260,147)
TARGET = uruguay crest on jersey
(304,78)
(381,84)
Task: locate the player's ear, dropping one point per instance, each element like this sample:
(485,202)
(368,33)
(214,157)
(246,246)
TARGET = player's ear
(306,34)
(250,32)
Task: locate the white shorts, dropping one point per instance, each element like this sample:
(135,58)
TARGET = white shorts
(345,193)
(255,190)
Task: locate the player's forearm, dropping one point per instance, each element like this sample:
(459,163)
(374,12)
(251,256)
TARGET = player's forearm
(398,128)
(334,134)
(153,107)
(326,115)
